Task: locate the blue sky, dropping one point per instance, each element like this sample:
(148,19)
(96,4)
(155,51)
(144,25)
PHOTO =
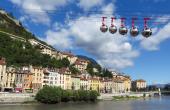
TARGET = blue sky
(74,25)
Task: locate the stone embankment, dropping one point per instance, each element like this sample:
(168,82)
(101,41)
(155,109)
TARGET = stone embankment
(110,96)
(13,98)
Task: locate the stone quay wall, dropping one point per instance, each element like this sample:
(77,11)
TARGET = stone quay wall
(7,98)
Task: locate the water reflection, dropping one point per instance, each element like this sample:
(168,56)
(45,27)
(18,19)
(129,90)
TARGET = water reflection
(159,103)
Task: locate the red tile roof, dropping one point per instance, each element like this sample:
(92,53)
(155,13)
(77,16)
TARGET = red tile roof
(63,70)
(2,61)
(78,63)
(82,60)
(68,54)
(85,79)
(140,80)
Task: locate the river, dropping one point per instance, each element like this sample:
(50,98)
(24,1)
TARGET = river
(162,103)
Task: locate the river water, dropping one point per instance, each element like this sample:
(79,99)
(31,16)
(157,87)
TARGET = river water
(162,103)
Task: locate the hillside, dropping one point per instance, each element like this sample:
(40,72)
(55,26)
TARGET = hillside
(10,25)
(14,46)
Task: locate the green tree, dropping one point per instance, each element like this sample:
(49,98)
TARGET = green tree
(90,69)
(74,70)
(66,95)
(75,96)
(65,62)
(93,95)
(49,95)
(106,73)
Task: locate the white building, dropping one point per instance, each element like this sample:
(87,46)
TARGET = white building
(44,48)
(108,85)
(139,84)
(75,80)
(118,86)
(84,84)
(51,77)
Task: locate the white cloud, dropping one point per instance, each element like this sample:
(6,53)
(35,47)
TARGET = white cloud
(37,9)
(112,51)
(87,4)
(152,43)
(60,40)
(109,9)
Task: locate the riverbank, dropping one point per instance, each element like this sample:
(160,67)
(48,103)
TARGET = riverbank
(29,98)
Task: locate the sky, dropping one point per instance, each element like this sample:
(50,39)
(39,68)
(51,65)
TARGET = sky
(73,25)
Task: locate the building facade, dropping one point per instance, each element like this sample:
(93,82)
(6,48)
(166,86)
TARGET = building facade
(10,80)
(127,83)
(139,85)
(2,73)
(84,84)
(108,84)
(118,86)
(75,82)
(38,76)
(51,77)
(72,58)
(45,49)
(81,64)
(66,75)
(94,84)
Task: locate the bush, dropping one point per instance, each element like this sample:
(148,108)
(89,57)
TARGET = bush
(83,95)
(49,95)
(53,95)
(93,95)
(75,96)
(66,95)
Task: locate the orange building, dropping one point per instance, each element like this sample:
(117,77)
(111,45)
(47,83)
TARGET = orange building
(28,82)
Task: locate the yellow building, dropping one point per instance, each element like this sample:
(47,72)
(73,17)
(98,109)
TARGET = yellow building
(38,76)
(102,86)
(119,78)
(28,82)
(127,83)
(67,77)
(94,84)
(2,73)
